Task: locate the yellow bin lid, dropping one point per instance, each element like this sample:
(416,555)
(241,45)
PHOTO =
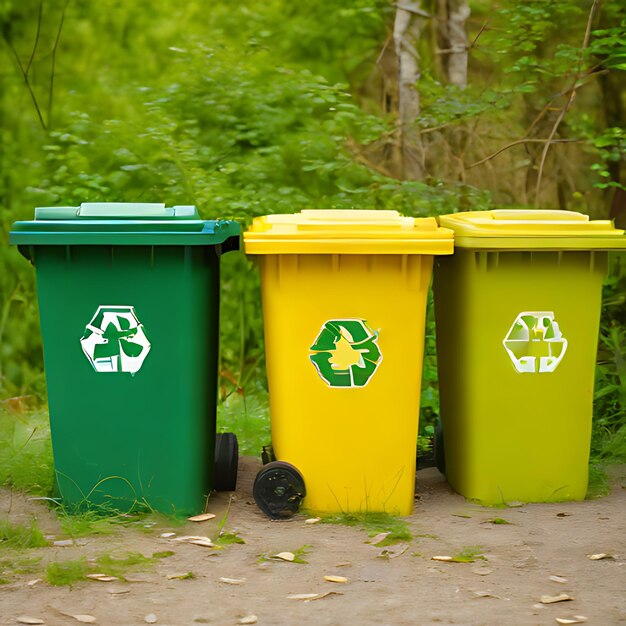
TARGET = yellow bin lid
(532,229)
(326,231)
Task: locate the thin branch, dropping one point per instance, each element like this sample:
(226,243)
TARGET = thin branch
(480,32)
(521,141)
(568,104)
(54,57)
(26,81)
(32,54)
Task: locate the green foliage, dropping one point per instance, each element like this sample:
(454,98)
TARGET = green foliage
(26,451)
(469,554)
(254,108)
(375,523)
(20,536)
(66,573)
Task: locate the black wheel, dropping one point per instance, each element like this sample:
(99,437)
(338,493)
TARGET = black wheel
(226,462)
(279,489)
(440,458)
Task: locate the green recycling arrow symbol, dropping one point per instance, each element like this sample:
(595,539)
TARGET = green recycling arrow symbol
(345,353)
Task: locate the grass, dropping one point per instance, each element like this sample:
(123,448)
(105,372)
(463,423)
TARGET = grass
(375,523)
(598,486)
(469,555)
(66,573)
(246,415)
(26,451)
(16,566)
(20,536)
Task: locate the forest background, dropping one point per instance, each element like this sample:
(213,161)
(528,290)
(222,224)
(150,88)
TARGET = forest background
(247,108)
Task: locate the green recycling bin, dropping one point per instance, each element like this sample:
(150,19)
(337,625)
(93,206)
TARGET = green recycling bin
(517,309)
(129,302)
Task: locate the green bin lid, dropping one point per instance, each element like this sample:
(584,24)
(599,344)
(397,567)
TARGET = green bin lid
(123,223)
(532,229)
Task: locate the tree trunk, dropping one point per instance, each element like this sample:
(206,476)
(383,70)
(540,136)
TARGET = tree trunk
(408,26)
(458,12)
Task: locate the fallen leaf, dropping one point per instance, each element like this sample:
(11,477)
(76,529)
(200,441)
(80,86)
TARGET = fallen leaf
(180,576)
(26,619)
(344,564)
(205,543)
(562,597)
(378,538)
(313,520)
(576,619)
(167,535)
(284,556)
(302,596)
(189,538)
(201,518)
(388,553)
(599,557)
(336,579)
(486,594)
(558,579)
(118,591)
(32,583)
(445,559)
(563,514)
(63,542)
(515,504)
(83,618)
(249,619)
(319,596)
(463,515)
(232,581)
(151,618)
(103,578)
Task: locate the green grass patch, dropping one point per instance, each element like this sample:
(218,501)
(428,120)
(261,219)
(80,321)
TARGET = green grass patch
(247,415)
(375,523)
(469,555)
(119,566)
(227,539)
(66,573)
(163,555)
(498,521)
(17,566)
(598,485)
(26,452)
(20,536)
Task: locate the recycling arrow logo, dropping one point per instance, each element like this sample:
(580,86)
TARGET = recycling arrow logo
(115,341)
(346,353)
(535,342)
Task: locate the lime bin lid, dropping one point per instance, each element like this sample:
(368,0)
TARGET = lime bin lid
(121,223)
(330,231)
(532,229)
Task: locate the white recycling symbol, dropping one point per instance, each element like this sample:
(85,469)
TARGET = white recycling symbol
(115,340)
(535,342)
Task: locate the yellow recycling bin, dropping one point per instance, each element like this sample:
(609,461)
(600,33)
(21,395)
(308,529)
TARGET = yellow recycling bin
(344,300)
(517,310)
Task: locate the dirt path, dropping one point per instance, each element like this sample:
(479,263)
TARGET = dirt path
(541,541)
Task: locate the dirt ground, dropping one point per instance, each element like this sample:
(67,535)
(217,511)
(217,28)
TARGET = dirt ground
(542,540)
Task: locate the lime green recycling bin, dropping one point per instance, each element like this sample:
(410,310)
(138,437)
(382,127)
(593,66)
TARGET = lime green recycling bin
(517,310)
(129,301)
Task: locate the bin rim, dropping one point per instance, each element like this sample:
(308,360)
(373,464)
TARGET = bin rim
(346,231)
(532,229)
(123,224)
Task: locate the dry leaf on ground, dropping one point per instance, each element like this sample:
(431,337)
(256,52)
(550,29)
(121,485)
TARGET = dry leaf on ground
(249,619)
(167,535)
(83,618)
(562,597)
(203,517)
(558,579)
(32,583)
(180,576)
(576,619)
(302,596)
(284,556)
(151,618)
(232,581)
(445,559)
(27,619)
(378,538)
(103,578)
(313,520)
(336,579)
(599,557)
